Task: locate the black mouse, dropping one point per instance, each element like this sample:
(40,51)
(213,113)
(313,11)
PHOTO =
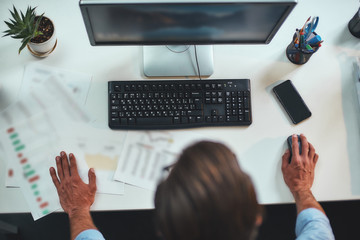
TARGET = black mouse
(289,141)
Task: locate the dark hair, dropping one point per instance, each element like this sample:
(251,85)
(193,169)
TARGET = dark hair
(207,196)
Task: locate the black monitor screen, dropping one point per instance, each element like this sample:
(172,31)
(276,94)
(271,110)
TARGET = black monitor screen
(179,23)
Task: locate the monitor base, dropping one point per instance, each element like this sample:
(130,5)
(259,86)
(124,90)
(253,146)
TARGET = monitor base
(176,61)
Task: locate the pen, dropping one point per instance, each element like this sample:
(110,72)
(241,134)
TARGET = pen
(301,39)
(308,47)
(319,43)
(297,37)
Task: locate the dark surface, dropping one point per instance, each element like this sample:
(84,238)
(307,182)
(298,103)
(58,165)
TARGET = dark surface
(279,223)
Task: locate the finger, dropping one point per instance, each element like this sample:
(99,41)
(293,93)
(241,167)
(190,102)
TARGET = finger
(316,157)
(73,165)
(295,145)
(65,164)
(311,151)
(92,180)
(54,178)
(285,159)
(59,168)
(304,144)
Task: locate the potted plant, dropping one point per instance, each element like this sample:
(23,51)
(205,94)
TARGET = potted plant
(36,32)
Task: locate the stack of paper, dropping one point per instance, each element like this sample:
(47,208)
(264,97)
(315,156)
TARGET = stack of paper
(49,117)
(40,125)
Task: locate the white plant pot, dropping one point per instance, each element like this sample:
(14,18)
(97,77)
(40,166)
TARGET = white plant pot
(45,48)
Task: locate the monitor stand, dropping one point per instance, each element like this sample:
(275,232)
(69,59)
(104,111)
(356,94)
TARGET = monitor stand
(178,60)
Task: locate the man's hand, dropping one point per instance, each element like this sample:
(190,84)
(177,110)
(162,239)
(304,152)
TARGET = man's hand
(76,197)
(299,173)
(74,194)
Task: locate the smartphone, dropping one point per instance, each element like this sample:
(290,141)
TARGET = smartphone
(292,102)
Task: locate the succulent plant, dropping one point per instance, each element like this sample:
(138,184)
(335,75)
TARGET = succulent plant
(22,26)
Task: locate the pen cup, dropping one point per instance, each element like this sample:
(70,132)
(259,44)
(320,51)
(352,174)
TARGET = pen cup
(354,24)
(299,55)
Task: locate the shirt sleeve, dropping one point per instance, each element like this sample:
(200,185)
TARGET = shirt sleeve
(311,224)
(90,234)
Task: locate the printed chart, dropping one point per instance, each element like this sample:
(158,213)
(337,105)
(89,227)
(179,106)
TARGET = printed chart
(29,133)
(145,154)
(29,161)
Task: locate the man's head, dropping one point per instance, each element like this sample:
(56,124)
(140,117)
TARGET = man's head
(207,196)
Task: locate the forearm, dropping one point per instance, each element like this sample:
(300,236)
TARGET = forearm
(304,200)
(80,220)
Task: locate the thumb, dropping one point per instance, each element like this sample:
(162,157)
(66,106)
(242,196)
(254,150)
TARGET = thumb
(92,179)
(285,160)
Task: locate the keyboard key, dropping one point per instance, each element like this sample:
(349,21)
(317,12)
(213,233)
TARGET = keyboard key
(117,88)
(176,120)
(131,120)
(231,118)
(247,115)
(196,94)
(157,121)
(246,102)
(115,121)
(123,121)
(184,120)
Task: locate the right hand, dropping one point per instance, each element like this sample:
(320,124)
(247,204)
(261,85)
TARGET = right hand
(299,173)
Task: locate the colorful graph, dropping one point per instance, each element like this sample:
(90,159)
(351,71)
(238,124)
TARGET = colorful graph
(28,172)
(31,130)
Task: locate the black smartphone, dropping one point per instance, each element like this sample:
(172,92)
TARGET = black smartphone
(292,102)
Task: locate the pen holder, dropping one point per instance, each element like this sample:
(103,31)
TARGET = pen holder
(354,24)
(299,55)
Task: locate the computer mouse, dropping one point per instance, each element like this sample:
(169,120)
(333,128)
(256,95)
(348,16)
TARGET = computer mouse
(289,141)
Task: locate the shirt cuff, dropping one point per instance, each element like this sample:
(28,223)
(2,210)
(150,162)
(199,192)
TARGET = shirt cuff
(90,234)
(311,223)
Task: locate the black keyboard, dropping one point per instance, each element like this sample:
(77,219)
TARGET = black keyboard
(173,104)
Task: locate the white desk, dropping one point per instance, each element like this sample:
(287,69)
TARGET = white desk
(325,82)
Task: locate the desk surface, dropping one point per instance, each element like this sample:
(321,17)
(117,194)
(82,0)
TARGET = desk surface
(326,83)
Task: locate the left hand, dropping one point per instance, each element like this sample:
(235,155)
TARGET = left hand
(75,195)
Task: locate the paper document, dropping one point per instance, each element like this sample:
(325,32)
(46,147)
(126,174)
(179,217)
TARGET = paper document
(29,132)
(145,154)
(37,74)
(92,151)
(27,145)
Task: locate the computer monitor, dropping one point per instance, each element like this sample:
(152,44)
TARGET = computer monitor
(177,36)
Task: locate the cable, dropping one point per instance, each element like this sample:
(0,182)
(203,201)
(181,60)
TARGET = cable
(170,49)
(197,62)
